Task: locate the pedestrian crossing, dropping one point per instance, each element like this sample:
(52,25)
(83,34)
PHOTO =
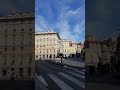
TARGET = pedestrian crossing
(69,75)
(78,75)
(42,80)
(60,83)
(81,72)
(79,83)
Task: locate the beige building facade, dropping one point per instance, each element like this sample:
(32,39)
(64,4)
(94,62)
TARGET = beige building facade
(69,48)
(17,46)
(47,44)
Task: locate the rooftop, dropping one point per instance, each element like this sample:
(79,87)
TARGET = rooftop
(17,15)
(46,32)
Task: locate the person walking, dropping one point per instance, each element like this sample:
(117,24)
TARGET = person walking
(13,75)
(50,57)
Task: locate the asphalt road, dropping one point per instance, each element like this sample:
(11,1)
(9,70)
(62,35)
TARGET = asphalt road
(59,77)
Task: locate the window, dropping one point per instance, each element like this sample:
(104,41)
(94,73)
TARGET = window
(22,30)
(22,36)
(43,56)
(21,48)
(21,72)
(4,60)
(47,50)
(30,59)
(21,43)
(6,38)
(6,31)
(12,69)
(13,60)
(5,49)
(14,30)
(30,36)
(3,72)
(29,71)
(21,59)
(22,21)
(14,36)
(30,29)
(13,48)
(36,56)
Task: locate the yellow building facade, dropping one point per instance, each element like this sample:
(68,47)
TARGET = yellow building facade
(17,46)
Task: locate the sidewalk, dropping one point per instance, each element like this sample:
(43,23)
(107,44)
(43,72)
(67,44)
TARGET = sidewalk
(102,82)
(99,82)
(70,63)
(100,86)
(17,84)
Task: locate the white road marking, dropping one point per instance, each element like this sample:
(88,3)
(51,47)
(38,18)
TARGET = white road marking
(80,72)
(42,80)
(60,83)
(78,75)
(83,70)
(79,83)
(77,70)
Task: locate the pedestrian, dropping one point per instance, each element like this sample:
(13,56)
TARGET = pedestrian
(40,58)
(50,57)
(12,75)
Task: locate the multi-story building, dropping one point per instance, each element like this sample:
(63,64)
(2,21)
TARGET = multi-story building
(17,46)
(92,53)
(100,53)
(47,44)
(69,48)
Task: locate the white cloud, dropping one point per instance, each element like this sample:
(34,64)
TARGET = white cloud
(40,23)
(73,12)
(80,27)
(62,24)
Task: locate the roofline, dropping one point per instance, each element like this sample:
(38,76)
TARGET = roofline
(17,16)
(48,33)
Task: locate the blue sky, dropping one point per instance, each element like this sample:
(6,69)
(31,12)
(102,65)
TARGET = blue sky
(67,17)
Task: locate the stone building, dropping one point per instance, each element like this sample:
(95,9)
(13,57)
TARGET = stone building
(101,53)
(92,54)
(47,43)
(69,48)
(17,46)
